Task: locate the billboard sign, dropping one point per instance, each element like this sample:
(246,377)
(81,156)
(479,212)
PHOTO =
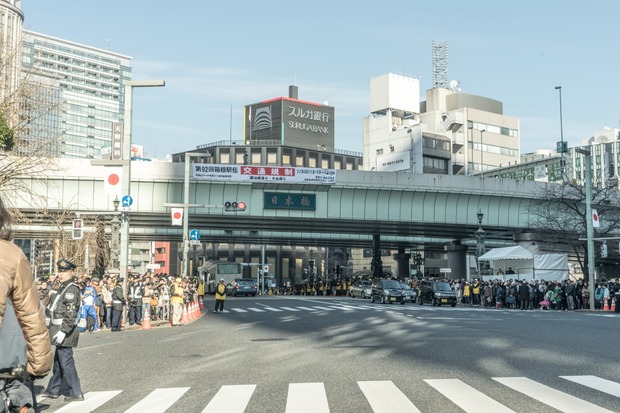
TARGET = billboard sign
(254,173)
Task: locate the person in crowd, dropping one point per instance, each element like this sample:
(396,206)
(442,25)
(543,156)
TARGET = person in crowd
(118,302)
(598,297)
(134,298)
(146,298)
(99,308)
(88,304)
(44,291)
(475,288)
(585,295)
(106,298)
(63,312)
(176,300)
(524,295)
(220,296)
(25,348)
(467,293)
(570,295)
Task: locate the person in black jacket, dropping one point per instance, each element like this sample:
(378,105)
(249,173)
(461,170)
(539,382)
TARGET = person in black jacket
(118,301)
(63,312)
(524,295)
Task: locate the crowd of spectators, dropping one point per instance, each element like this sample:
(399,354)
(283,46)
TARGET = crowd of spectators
(145,293)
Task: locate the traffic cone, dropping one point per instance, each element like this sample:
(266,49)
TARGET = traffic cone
(606,306)
(613,304)
(146,321)
(201,304)
(195,311)
(497,305)
(185,318)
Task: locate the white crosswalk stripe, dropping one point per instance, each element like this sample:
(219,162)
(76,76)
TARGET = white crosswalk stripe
(159,400)
(256,310)
(92,400)
(466,397)
(383,396)
(231,399)
(306,398)
(290,309)
(596,383)
(561,401)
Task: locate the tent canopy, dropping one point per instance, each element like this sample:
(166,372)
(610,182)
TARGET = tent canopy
(508,253)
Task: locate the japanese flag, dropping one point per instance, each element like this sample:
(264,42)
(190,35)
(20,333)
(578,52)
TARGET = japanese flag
(177,216)
(112,181)
(595,219)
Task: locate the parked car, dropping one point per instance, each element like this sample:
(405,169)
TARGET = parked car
(386,291)
(361,288)
(436,293)
(242,286)
(409,293)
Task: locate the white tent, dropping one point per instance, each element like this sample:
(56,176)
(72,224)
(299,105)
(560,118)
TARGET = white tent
(527,266)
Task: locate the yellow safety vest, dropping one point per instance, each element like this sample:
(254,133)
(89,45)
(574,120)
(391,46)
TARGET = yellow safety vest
(220,292)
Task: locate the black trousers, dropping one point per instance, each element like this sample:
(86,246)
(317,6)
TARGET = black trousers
(64,369)
(219,304)
(116,319)
(135,314)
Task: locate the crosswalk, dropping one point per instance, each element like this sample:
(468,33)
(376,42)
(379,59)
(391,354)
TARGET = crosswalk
(382,396)
(312,308)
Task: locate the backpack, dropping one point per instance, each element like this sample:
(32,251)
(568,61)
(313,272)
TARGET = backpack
(12,340)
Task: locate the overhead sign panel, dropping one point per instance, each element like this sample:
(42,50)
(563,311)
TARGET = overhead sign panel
(285,200)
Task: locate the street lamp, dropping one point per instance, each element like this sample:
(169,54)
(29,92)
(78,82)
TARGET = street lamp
(589,226)
(124,250)
(480,235)
(561,148)
(481,154)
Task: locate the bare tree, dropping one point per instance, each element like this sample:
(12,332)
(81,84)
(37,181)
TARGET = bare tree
(560,215)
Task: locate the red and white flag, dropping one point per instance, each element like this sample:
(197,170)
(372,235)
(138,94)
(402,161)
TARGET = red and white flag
(113,181)
(177,216)
(595,219)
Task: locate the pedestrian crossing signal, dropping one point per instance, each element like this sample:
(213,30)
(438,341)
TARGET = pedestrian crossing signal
(76,232)
(234,206)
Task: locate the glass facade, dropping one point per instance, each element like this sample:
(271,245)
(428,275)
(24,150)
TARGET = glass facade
(90,82)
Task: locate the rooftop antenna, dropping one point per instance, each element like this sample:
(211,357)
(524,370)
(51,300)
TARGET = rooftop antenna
(440,64)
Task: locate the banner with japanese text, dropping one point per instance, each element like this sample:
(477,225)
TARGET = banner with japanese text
(253,173)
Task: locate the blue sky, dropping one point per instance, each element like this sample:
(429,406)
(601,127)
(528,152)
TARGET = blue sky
(218,55)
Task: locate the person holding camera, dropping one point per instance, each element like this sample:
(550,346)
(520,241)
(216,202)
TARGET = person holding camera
(25,349)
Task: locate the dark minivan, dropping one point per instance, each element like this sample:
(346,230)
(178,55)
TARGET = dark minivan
(436,293)
(386,291)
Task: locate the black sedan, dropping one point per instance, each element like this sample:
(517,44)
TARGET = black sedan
(409,293)
(386,291)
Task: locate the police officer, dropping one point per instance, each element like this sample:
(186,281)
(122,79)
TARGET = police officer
(118,302)
(63,311)
(136,292)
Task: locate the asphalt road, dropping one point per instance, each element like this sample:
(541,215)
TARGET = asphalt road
(297,354)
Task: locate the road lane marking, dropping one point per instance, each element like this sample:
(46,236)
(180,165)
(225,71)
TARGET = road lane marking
(322,308)
(231,399)
(466,397)
(290,309)
(92,400)
(561,401)
(272,309)
(306,398)
(307,308)
(239,310)
(385,397)
(596,383)
(256,310)
(159,400)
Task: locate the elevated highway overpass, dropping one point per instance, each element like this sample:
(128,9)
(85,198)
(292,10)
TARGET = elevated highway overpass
(405,210)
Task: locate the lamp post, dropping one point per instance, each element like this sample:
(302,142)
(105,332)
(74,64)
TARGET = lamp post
(589,226)
(560,147)
(481,154)
(480,235)
(418,261)
(124,250)
(114,236)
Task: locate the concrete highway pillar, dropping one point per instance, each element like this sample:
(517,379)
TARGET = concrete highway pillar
(457,260)
(528,240)
(402,263)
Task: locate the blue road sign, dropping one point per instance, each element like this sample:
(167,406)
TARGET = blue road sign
(194,235)
(127,201)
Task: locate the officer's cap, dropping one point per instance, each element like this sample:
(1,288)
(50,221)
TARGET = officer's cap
(64,264)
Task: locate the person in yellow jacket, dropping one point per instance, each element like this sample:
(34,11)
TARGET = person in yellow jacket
(220,296)
(176,300)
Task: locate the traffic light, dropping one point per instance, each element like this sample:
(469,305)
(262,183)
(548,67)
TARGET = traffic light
(76,233)
(234,206)
(604,250)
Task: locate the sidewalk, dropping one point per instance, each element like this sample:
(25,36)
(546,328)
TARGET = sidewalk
(154,324)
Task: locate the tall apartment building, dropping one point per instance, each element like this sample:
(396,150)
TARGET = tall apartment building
(11,21)
(90,82)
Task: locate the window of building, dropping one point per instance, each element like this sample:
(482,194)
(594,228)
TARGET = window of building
(312,162)
(325,163)
(257,158)
(379,151)
(272,158)
(224,158)
(239,158)
(299,161)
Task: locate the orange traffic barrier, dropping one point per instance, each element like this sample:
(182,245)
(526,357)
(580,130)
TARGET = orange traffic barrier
(196,311)
(146,321)
(606,306)
(185,318)
(613,304)
(201,303)
(191,314)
